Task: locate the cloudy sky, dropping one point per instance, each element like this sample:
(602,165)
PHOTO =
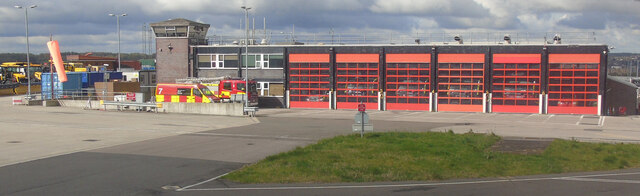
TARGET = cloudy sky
(84,25)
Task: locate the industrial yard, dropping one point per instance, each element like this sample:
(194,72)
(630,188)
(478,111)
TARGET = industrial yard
(320,98)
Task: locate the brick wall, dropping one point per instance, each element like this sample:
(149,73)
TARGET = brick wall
(172,64)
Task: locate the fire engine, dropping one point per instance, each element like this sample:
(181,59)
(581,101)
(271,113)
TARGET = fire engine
(224,87)
(189,93)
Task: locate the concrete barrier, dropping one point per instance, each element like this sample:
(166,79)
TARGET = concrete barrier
(84,104)
(228,109)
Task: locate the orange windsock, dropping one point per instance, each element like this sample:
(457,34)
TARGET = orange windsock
(54,49)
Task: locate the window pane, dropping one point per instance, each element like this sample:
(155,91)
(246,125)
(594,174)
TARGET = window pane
(276,61)
(230,61)
(276,90)
(204,61)
(251,61)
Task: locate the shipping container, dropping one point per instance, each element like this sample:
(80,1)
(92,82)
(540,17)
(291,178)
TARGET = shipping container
(61,89)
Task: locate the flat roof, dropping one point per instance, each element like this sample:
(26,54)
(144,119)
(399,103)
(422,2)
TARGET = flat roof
(388,45)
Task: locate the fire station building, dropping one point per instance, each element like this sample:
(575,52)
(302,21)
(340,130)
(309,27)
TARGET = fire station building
(506,78)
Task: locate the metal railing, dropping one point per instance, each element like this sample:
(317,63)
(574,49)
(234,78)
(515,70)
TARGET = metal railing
(85,94)
(415,38)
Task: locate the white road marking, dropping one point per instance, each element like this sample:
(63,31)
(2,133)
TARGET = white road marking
(602,180)
(577,178)
(199,183)
(545,121)
(601,120)
(253,136)
(530,115)
(581,117)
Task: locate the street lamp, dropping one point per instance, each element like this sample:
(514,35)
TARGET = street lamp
(246,56)
(26,24)
(118,27)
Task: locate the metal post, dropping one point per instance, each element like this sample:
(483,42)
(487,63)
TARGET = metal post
(26,24)
(118,29)
(246,57)
(118,24)
(362,124)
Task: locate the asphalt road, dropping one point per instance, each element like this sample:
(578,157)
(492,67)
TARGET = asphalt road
(68,151)
(624,182)
(159,166)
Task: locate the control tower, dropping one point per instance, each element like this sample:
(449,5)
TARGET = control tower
(173,40)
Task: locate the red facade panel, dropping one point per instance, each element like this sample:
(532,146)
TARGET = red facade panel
(515,109)
(574,58)
(308,104)
(460,58)
(408,58)
(357,58)
(308,58)
(516,58)
(459,108)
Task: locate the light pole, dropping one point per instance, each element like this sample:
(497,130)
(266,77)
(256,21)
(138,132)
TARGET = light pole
(118,24)
(246,56)
(26,24)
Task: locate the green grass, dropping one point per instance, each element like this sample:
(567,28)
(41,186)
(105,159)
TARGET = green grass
(397,156)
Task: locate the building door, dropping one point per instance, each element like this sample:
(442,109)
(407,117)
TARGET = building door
(460,82)
(574,82)
(515,83)
(357,80)
(309,80)
(408,81)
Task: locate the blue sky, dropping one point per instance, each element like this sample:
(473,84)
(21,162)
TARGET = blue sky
(84,26)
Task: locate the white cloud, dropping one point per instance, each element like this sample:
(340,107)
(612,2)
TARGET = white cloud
(84,25)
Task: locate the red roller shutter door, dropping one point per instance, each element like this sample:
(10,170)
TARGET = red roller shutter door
(460,82)
(516,83)
(408,81)
(357,79)
(574,82)
(309,80)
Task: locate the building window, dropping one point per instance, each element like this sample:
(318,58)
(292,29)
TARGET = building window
(228,61)
(252,60)
(273,61)
(271,89)
(263,88)
(204,61)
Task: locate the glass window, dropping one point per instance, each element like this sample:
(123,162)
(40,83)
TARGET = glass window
(206,91)
(276,61)
(204,61)
(230,61)
(251,61)
(184,92)
(226,86)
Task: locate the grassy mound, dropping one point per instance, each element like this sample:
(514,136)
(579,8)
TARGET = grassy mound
(397,156)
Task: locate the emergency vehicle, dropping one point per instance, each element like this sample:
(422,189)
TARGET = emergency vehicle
(188,93)
(224,87)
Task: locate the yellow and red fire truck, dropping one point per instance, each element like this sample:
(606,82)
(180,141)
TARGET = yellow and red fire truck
(224,87)
(189,93)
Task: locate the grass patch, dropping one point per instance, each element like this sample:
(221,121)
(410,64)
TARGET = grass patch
(397,156)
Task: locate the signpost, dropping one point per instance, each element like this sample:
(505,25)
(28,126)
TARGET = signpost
(361,121)
(362,108)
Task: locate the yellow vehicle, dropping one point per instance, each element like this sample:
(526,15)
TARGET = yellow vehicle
(74,67)
(18,70)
